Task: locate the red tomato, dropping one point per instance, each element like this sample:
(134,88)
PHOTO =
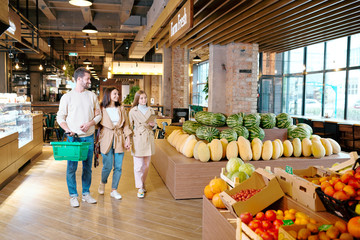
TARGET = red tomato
(273,233)
(259,231)
(266,224)
(246,217)
(254,224)
(266,236)
(260,216)
(278,222)
(270,215)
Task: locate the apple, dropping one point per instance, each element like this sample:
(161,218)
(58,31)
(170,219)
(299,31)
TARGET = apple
(270,215)
(329,191)
(357,170)
(246,217)
(324,185)
(254,224)
(349,190)
(341,195)
(357,175)
(266,224)
(351,172)
(259,231)
(266,236)
(260,216)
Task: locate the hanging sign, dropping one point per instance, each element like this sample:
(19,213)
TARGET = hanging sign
(73,54)
(15,25)
(182,21)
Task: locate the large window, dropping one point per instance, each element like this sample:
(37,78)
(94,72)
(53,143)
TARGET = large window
(353,106)
(334,97)
(294,61)
(355,50)
(315,57)
(200,77)
(292,90)
(313,94)
(336,53)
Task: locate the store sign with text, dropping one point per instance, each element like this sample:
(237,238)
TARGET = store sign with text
(182,21)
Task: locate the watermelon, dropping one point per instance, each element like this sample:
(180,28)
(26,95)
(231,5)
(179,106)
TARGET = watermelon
(268,120)
(234,120)
(229,134)
(217,120)
(207,133)
(252,119)
(283,120)
(241,114)
(300,132)
(242,131)
(203,117)
(289,130)
(256,132)
(306,126)
(190,126)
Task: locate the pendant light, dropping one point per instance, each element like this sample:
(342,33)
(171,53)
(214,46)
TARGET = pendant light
(197,59)
(81,3)
(41,67)
(87,61)
(89,28)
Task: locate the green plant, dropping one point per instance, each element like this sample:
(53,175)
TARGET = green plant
(130,97)
(69,71)
(206,88)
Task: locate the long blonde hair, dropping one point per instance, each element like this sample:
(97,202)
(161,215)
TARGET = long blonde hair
(137,97)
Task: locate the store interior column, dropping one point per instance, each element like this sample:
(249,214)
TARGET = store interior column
(3,73)
(233,78)
(166,100)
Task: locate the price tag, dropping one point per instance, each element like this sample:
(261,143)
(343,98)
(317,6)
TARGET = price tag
(288,222)
(289,170)
(324,227)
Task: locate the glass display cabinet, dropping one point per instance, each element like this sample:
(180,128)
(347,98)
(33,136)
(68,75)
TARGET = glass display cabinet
(16,117)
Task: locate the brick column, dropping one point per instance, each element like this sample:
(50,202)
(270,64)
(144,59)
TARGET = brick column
(235,67)
(180,78)
(166,99)
(155,88)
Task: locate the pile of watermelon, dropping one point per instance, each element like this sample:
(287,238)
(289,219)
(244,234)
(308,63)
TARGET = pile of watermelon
(301,131)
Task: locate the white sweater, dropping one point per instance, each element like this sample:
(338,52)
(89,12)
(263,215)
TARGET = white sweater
(78,108)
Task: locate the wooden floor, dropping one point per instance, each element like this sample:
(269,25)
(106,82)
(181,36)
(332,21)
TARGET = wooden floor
(35,205)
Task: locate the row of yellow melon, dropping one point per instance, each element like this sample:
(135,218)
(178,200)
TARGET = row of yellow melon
(200,150)
(255,150)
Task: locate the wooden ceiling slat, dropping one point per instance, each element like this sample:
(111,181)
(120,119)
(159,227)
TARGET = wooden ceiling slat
(163,19)
(268,22)
(230,33)
(209,4)
(216,29)
(309,20)
(342,19)
(162,42)
(220,15)
(207,15)
(317,11)
(321,37)
(313,41)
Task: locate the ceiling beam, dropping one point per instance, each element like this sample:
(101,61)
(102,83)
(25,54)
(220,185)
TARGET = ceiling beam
(87,14)
(49,13)
(125,12)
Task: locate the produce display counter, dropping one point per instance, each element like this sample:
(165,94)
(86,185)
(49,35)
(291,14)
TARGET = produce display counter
(186,177)
(221,224)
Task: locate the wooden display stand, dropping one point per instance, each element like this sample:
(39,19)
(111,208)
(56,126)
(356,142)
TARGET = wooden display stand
(13,157)
(187,177)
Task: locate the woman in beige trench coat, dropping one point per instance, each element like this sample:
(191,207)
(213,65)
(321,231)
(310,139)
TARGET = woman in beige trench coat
(114,138)
(143,139)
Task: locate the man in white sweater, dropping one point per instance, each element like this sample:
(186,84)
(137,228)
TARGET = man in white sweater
(77,115)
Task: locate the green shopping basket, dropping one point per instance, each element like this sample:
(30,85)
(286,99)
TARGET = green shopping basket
(71,151)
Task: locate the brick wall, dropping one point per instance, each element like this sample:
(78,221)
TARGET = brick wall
(241,88)
(180,78)
(155,88)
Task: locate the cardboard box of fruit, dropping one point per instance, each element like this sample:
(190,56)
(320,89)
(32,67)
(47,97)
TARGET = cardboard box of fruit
(302,183)
(254,194)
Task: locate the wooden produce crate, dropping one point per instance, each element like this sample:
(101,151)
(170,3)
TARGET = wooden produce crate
(302,189)
(260,179)
(344,166)
(231,184)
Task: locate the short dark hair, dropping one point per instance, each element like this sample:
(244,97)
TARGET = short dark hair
(80,72)
(107,97)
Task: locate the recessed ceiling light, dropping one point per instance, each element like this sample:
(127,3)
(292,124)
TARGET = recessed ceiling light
(81,3)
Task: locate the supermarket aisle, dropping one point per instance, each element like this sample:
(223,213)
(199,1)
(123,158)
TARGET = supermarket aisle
(35,205)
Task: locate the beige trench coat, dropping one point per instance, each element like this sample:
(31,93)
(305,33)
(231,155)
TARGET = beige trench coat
(143,137)
(114,133)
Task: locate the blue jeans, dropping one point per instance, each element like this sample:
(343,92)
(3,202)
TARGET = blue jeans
(109,160)
(86,171)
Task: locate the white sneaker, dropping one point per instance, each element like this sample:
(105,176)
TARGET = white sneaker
(116,195)
(74,202)
(101,188)
(87,198)
(141,193)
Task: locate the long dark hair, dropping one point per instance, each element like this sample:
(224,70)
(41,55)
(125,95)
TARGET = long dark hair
(137,97)
(107,98)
